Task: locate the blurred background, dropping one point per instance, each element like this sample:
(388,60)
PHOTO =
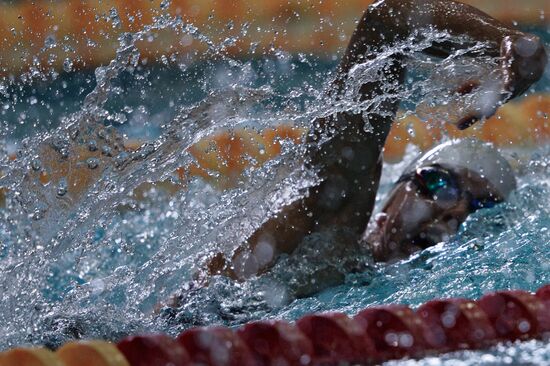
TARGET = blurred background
(51,48)
(88,30)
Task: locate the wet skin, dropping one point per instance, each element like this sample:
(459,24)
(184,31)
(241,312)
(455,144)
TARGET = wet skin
(414,217)
(349,162)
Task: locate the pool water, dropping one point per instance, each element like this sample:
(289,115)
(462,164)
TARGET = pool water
(98,267)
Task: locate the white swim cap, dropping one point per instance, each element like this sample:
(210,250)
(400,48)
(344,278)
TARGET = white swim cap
(473,155)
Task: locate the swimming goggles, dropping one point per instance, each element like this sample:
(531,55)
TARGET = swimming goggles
(441,185)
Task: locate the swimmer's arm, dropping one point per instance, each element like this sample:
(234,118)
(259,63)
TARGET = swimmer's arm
(349,163)
(523,55)
(350,167)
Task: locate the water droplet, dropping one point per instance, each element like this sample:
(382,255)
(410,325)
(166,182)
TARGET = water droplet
(367,127)
(107,151)
(524,326)
(92,145)
(97,286)
(39,211)
(121,158)
(36,165)
(62,187)
(92,163)
(406,340)
(119,118)
(253,46)
(50,41)
(126,39)
(411,131)
(68,65)
(244,29)
(102,134)
(115,19)
(391,339)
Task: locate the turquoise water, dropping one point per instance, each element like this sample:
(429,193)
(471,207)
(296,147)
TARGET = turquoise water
(102,275)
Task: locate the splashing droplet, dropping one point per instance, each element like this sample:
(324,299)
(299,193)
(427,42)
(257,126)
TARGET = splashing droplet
(62,187)
(114,17)
(92,163)
(68,65)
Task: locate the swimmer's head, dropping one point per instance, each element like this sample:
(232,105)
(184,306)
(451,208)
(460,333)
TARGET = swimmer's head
(436,194)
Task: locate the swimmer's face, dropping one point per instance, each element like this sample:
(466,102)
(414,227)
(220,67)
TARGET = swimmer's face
(427,207)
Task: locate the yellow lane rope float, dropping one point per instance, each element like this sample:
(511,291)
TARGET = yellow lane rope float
(83,353)
(30,357)
(91,353)
(88,30)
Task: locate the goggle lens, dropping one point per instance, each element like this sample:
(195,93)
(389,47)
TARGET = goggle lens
(438,183)
(441,186)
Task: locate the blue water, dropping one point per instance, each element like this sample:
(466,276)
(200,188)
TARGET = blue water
(107,283)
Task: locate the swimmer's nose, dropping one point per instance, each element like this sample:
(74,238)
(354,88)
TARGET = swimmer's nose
(526,59)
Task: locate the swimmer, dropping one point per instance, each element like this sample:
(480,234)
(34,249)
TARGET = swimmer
(349,162)
(426,206)
(435,195)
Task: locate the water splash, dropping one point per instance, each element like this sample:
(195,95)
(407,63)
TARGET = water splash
(94,262)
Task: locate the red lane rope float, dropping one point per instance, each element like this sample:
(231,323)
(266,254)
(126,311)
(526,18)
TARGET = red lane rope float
(395,330)
(516,314)
(372,336)
(336,336)
(277,343)
(153,349)
(456,324)
(216,346)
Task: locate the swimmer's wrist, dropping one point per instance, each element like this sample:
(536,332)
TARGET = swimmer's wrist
(524,60)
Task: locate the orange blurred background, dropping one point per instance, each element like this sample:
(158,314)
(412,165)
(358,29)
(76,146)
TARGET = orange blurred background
(44,33)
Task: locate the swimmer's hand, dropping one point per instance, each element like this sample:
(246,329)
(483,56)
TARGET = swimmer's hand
(523,62)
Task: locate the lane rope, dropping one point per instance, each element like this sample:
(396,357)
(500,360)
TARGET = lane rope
(374,335)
